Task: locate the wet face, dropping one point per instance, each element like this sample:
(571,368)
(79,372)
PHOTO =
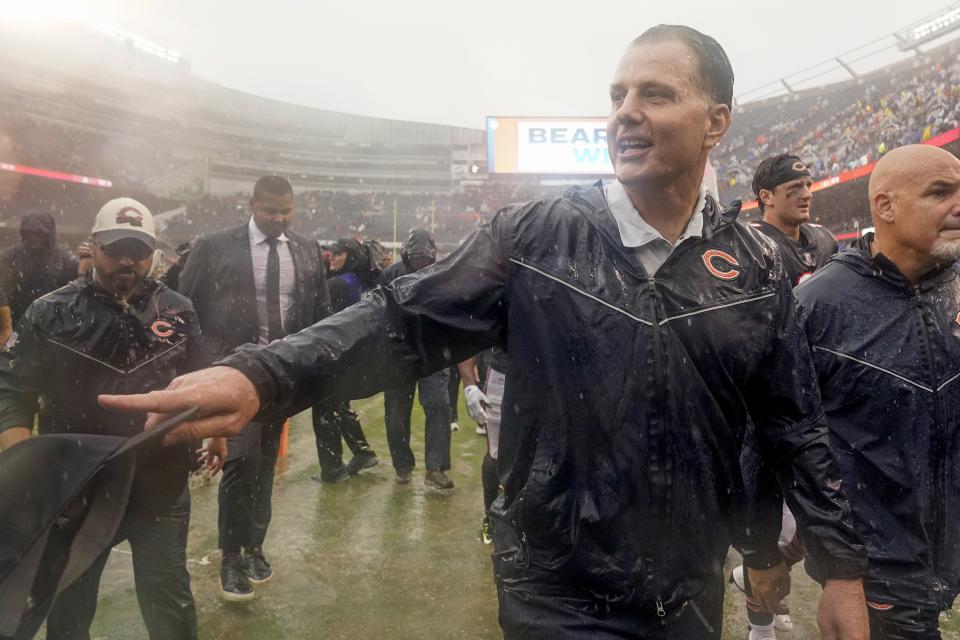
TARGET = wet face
(272,213)
(922,206)
(661,124)
(337,260)
(419,262)
(788,203)
(34,241)
(121,266)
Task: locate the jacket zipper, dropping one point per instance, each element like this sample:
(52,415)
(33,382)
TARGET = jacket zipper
(939,439)
(661,446)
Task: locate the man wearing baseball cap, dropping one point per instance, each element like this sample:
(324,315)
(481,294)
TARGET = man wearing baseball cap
(782,186)
(111,330)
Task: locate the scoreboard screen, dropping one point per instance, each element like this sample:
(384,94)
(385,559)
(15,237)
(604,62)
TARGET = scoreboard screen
(560,146)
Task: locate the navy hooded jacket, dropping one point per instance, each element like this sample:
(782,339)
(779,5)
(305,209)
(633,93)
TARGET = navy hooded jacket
(888,358)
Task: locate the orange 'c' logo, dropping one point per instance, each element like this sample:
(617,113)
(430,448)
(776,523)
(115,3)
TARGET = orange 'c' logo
(721,264)
(162,329)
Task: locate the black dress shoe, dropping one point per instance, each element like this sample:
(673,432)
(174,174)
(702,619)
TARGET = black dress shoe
(256,567)
(336,476)
(234,585)
(361,461)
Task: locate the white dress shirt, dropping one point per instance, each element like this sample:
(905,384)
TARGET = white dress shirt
(651,248)
(259,251)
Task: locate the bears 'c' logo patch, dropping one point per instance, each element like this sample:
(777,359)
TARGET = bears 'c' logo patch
(129,215)
(162,329)
(721,264)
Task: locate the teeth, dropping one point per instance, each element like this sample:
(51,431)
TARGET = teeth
(629,145)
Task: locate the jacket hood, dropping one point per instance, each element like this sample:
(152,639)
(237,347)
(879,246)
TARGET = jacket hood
(356,256)
(420,244)
(40,222)
(359,261)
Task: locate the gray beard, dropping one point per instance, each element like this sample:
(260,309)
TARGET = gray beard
(944,251)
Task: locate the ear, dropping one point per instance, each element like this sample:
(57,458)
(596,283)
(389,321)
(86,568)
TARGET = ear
(718,121)
(884,206)
(766,197)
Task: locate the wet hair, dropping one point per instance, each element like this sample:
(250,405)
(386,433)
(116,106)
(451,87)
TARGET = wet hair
(713,65)
(274,185)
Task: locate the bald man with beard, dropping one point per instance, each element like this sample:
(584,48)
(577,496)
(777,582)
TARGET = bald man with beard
(884,325)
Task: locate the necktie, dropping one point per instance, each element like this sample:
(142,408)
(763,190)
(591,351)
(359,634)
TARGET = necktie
(274,323)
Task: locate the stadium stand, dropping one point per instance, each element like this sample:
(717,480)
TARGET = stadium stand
(192,148)
(844,126)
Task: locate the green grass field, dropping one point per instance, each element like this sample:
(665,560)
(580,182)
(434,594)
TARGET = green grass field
(368,557)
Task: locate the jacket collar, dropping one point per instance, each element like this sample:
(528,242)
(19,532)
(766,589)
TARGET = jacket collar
(634,230)
(881,268)
(715,216)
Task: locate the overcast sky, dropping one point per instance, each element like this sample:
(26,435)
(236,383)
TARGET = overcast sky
(456,61)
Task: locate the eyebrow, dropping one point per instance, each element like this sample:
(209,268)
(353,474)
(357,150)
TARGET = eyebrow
(942,183)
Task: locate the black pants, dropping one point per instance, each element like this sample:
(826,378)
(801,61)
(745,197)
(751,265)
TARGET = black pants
(453,388)
(247,486)
(330,425)
(435,400)
(160,574)
(899,622)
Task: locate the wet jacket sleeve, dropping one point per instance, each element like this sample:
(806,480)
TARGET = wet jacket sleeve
(418,324)
(757,539)
(22,369)
(197,355)
(6,282)
(793,440)
(194,274)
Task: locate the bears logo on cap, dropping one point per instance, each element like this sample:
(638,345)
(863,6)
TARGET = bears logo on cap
(129,215)
(799,166)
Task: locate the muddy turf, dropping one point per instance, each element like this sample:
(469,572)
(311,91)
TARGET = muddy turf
(369,557)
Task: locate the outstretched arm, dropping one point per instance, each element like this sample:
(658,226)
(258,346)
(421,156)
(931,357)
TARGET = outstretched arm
(418,324)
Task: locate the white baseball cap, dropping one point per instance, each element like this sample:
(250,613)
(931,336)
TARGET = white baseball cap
(124,218)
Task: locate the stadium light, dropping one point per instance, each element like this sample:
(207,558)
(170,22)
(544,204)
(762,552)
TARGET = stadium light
(92,14)
(42,13)
(929,28)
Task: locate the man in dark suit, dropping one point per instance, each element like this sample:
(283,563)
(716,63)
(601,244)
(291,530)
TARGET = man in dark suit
(253,284)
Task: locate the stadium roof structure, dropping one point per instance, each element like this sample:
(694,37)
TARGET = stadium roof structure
(934,30)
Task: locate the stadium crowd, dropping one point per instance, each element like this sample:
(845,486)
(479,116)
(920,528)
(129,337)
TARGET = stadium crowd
(660,368)
(852,126)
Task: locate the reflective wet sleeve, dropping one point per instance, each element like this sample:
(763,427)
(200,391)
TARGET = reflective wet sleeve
(757,537)
(418,324)
(793,440)
(22,368)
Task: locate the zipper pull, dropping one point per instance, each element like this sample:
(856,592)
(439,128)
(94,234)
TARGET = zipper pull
(661,612)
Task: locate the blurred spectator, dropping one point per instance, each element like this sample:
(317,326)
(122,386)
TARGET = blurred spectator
(31,269)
